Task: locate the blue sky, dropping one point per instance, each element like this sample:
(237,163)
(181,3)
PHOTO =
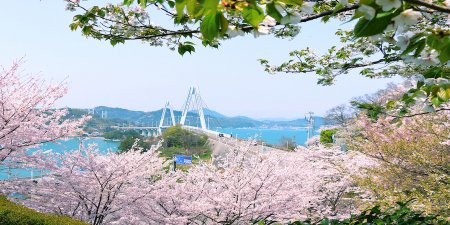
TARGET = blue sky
(140,77)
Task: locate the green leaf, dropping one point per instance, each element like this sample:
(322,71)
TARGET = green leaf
(442,94)
(179,6)
(273,12)
(338,7)
(193,7)
(223,22)
(293,2)
(113,42)
(444,54)
(209,27)
(441,44)
(128,2)
(416,44)
(325,19)
(171,3)
(366,2)
(73,26)
(436,102)
(210,6)
(434,41)
(86,30)
(377,25)
(420,47)
(253,15)
(358,14)
(391,104)
(186,47)
(143,3)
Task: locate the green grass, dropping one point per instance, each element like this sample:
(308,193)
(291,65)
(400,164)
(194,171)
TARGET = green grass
(198,154)
(13,214)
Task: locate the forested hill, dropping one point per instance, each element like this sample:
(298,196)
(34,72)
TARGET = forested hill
(120,116)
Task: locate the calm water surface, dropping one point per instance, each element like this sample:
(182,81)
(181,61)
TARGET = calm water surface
(59,146)
(270,135)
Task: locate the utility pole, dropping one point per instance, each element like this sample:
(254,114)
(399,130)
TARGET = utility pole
(310,119)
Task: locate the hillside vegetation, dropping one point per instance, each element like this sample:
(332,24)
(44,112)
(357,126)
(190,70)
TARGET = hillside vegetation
(13,214)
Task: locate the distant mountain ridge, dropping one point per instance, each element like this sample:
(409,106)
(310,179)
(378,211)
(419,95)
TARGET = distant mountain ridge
(213,119)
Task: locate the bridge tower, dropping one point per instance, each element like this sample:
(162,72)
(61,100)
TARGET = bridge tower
(194,101)
(310,120)
(172,115)
(104,114)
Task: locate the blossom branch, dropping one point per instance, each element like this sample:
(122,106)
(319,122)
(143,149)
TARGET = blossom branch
(429,5)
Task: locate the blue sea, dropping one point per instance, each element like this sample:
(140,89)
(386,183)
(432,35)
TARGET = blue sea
(59,146)
(271,136)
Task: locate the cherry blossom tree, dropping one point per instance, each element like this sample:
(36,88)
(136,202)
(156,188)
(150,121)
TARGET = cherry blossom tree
(413,159)
(242,186)
(246,186)
(410,38)
(27,114)
(88,185)
(411,151)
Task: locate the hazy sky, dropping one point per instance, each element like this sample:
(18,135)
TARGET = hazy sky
(140,77)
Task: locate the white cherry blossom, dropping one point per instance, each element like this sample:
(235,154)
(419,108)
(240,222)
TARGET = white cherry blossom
(263,29)
(344,2)
(291,18)
(369,12)
(389,4)
(280,7)
(446,3)
(428,58)
(407,18)
(233,31)
(269,21)
(308,7)
(403,40)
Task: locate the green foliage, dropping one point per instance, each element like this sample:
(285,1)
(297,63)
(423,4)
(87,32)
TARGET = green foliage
(180,138)
(381,36)
(412,160)
(399,214)
(326,136)
(130,140)
(13,214)
(273,12)
(210,26)
(186,47)
(253,15)
(372,110)
(365,28)
(198,153)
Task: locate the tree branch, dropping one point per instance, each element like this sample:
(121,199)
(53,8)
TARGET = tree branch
(422,113)
(329,12)
(429,5)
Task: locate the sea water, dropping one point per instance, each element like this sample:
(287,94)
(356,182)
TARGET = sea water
(271,136)
(59,146)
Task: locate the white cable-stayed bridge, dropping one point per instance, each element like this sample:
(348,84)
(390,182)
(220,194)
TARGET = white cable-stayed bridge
(193,104)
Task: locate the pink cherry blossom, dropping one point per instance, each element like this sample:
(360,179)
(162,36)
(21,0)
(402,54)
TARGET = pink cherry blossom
(27,114)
